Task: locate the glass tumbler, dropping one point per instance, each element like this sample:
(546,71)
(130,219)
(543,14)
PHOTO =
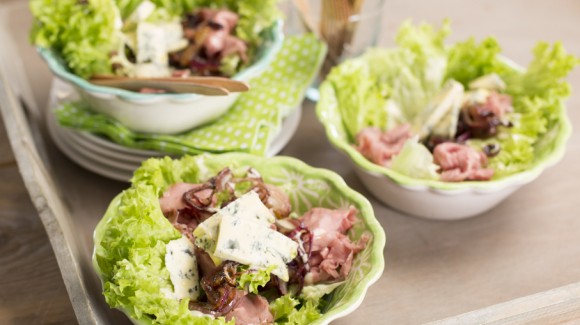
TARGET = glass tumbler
(348,27)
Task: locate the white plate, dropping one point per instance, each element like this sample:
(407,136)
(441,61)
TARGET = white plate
(80,159)
(118,162)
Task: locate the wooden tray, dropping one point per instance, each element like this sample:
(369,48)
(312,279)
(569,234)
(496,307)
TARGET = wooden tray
(492,268)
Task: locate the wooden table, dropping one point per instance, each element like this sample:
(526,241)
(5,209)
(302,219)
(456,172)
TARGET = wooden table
(528,244)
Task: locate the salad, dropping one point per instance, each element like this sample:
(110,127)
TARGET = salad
(153,38)
(451,113)
(228,249)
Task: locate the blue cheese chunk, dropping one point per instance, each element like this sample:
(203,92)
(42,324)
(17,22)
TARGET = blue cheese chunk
(241,232)
(442,114)
(248,206)
(152,59)
(181,263)
(251,242)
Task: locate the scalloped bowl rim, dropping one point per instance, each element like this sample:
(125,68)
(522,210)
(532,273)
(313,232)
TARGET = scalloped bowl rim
(59,69)
(450,188)
(366,213)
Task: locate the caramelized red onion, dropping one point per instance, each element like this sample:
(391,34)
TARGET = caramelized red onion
(481,120)
(221,291)
(299,267)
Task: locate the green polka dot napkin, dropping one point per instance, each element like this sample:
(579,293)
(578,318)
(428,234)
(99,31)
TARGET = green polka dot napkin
(248,126)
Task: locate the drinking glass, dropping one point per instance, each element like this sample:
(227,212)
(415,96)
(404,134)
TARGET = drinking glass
(348,27)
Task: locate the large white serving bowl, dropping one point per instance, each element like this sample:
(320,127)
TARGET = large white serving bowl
(164,113)
(428,198)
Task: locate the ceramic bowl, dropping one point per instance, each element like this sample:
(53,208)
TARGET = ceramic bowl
(428,198)
(163,113)
(306,186)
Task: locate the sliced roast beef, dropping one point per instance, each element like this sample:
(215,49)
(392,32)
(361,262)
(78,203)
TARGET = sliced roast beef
(172,199)
(380,147)
(333,263)
(251,309)
(325,224)
(460,162)
(332,251)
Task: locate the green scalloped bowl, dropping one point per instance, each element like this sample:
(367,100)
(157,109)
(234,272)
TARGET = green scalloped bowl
(164,113)
(307,187)
(430,198)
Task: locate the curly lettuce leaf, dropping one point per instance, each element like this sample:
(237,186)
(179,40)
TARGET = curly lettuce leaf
(131,258)
(469,60)
(283,306)
(86,47)
(251,279)
(538,96)
(285,311)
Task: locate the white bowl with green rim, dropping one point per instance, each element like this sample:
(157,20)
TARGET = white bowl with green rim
(164,113)
(130,239)
(433,199)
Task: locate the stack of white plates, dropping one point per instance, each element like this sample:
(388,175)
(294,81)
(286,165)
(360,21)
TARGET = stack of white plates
(118,162)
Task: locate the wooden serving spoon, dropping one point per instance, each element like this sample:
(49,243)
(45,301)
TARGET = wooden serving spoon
(210,86)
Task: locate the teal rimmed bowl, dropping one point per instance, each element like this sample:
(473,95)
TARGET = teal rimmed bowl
(430,198)
(164,113)
(119,238)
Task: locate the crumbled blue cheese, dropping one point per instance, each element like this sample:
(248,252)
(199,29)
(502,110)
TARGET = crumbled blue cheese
(250,242)
(248,206)
(241,232)
(152,59)
(442,114)
(174,40)
(181,263)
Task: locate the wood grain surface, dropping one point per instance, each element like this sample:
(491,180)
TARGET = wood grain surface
(527,245)
(31,287)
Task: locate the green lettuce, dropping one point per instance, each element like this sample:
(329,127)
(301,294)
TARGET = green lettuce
(415,160)
(409,76)
(469,60)
(285,311)
(131,258)
(86,48)
(131,252)
(81,32)
(250,280)
(412,73)
(361,100)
